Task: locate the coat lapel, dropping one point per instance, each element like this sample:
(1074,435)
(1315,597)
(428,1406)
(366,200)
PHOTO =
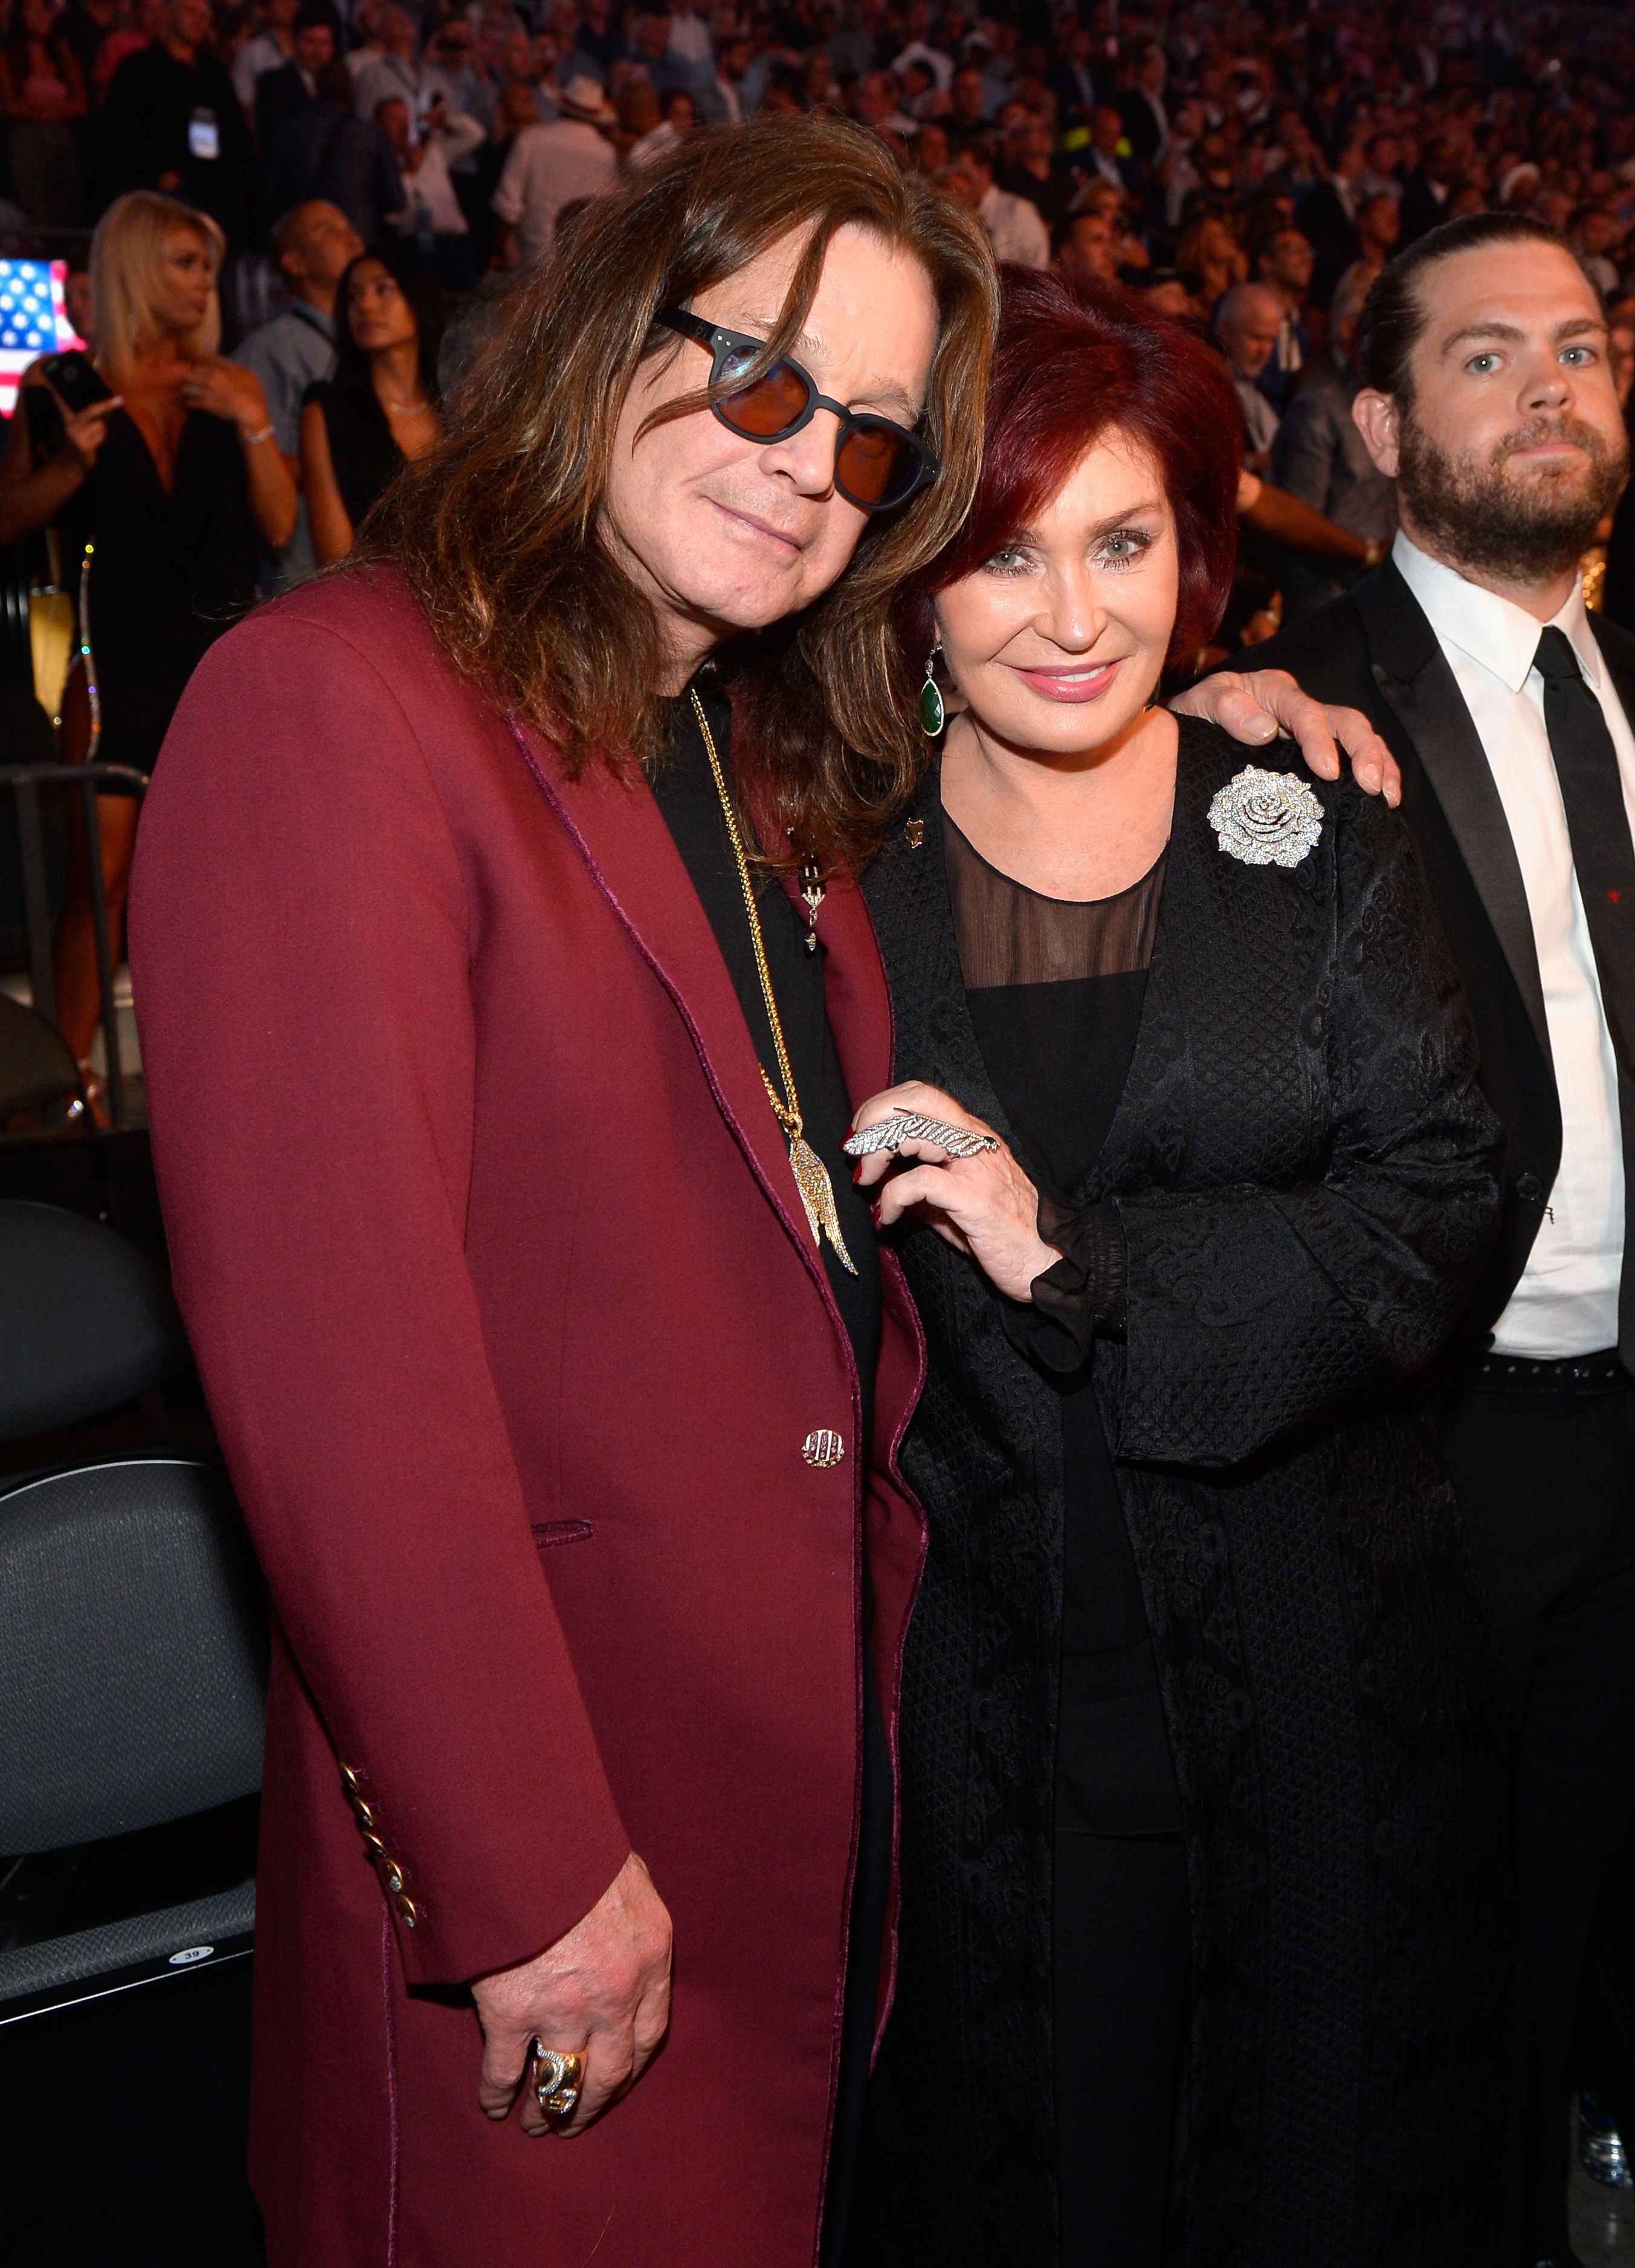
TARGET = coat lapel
(1414,678)
(1620,666)
(615,821)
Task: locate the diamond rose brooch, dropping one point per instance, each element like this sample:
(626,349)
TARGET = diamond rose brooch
(1266,819)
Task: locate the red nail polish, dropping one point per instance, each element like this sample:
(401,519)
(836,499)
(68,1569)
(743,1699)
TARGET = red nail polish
(874,1215)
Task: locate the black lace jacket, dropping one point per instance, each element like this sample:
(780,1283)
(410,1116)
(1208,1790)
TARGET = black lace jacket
(1301,1168)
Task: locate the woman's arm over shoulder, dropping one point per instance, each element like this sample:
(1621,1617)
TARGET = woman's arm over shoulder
(1250,1311)
(299,943)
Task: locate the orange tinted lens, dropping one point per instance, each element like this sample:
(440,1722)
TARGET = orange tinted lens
(874,463)
(767,407)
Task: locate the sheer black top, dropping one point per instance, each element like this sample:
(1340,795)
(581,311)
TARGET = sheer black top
(1055,988)
(691,804)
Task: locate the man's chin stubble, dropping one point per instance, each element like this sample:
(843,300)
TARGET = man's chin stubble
(1488,522)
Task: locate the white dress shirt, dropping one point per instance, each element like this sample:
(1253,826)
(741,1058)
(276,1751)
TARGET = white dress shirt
(1014,228)
(387,78)
(689,37)
(429,191)
(548,168)
(939,65)
(1566,1302)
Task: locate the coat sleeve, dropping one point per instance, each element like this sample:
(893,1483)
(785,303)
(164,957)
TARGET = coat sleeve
(1251,1311)
(299,949)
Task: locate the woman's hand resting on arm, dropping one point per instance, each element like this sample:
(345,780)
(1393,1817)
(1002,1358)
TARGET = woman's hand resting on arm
(984,1205)
(230,392)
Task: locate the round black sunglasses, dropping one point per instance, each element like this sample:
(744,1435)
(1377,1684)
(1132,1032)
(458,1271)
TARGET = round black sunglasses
(877,466)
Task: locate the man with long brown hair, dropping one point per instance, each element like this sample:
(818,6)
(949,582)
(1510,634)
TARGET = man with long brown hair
(498,1073)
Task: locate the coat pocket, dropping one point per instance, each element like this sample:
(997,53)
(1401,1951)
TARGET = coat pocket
(547,1532)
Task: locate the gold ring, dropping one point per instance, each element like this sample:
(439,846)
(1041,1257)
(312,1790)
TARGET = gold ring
(556,2079)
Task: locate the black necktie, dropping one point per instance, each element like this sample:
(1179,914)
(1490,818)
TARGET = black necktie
(1603,859)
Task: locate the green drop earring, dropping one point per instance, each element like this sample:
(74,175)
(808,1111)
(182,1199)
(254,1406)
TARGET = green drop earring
(934,716)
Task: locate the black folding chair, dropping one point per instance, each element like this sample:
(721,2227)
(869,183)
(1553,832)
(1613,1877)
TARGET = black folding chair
(38,1070)
(88,1321)
(132,1692)
(132,1695)
(28,784)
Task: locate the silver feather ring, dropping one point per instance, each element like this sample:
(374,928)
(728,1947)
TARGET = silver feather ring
(909,1126)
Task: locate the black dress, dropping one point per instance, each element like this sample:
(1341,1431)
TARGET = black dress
(1055,988)
(1294,1194)
(170,571)
(362,449)
(691,806)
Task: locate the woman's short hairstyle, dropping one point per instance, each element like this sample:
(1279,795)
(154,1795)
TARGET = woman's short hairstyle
(499,529)
(426,304)
(130,240)
(1074,362)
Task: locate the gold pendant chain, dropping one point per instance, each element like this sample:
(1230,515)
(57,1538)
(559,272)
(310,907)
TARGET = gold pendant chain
(811,1178)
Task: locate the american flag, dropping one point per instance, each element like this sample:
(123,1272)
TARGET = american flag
(33,321)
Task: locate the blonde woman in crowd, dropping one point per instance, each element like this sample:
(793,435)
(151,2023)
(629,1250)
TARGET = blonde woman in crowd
(158,466)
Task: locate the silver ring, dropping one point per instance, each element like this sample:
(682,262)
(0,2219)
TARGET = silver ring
(909,1126)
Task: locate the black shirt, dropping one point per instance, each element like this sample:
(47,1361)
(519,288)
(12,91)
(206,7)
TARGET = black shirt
(363,448)
(689,799)
(166,116)
(691,804)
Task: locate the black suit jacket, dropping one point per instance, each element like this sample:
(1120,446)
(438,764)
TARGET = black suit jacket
(152,104)
(279,94)
(1422,209)
(1375,649)
(326,151)
(1331,232)
(1073,88)
(1141,127)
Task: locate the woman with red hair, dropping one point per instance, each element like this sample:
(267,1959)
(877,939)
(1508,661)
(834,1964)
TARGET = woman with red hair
(1201,1938)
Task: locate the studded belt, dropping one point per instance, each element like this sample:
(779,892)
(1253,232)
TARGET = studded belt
(1574,1378)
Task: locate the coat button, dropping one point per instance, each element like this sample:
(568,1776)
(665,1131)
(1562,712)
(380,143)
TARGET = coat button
(823,1447)
(1529,1186)
(350,1782)
(408,1911)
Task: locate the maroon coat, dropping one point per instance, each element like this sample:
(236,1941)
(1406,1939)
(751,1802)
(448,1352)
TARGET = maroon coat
(514,1331)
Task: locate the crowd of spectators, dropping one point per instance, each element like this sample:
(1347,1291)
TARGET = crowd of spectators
(1216,131)
(1249,168)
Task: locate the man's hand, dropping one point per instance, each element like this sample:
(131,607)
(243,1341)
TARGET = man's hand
(1258,705)
(601,1992)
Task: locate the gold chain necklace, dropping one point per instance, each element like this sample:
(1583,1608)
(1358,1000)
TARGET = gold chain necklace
(817,1191)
